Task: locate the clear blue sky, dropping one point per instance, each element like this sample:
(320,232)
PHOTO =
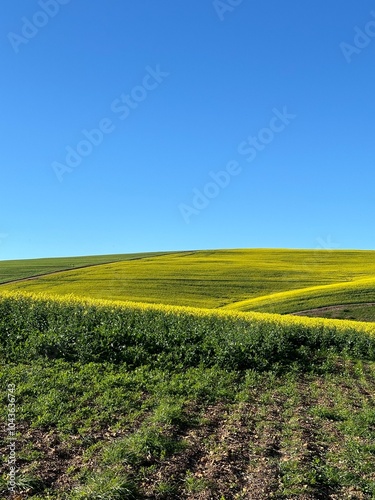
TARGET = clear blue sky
(181,90)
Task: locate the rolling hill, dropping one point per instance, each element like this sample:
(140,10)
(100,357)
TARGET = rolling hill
(266,280)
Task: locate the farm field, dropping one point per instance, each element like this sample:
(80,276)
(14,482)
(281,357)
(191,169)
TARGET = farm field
(11,270)
(261,280)
(87,431)
(360,291)
(355,312)
(116,399)
(228,147)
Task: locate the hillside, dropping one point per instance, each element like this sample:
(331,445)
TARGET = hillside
(267,280)
(11,270)
(356,291)
(150,400)
(164,376)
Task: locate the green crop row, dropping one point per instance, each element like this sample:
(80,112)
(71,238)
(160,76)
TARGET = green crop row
(34,327)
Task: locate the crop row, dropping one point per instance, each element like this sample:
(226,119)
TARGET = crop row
(73,329)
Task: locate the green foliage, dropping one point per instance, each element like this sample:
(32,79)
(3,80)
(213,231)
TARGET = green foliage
(107,484)
(195,484)
(34,327)
(151,442)
(121,429)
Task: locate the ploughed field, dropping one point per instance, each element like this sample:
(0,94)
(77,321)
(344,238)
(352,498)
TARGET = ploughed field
(173,376)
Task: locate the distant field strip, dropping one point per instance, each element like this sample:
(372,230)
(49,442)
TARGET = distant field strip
(360,292)
(14,270)
(221,278)
(355,312)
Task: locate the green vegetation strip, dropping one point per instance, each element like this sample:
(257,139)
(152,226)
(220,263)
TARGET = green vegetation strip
(11,270)
(354,312)
(33,326)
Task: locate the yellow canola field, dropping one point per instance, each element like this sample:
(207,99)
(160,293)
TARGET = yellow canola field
(262,279)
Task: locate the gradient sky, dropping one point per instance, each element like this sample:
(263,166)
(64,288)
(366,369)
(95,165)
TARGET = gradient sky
(219,71)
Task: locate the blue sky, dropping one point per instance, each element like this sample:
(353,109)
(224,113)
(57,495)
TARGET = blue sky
(119,119)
